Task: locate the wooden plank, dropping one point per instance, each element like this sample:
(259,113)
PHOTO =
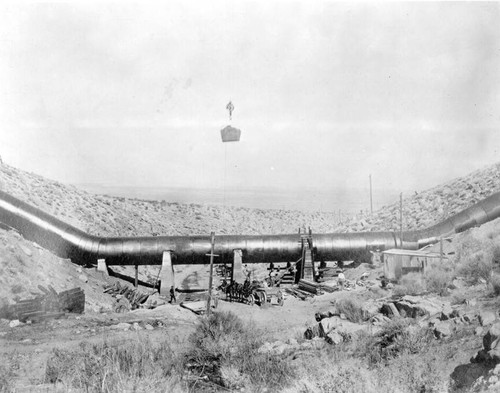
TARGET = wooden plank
(44,290)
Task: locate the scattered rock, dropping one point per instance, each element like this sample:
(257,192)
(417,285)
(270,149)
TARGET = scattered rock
(465,375)
(471,302)
(467,318)
(447,313)
(489,382)
(486,317)
(425,306)
(15,323)
(276,348)
(390,310)
(491,338)
(83,277)
(4,322)
(379,319)
(334,338)
(121,326)
(26,250)
(370,309)
(315,343)
(136,326)
(442,329)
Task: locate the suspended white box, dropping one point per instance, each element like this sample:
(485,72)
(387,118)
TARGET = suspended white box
(230,134)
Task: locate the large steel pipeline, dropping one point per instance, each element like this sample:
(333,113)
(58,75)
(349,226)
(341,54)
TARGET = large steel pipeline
(67,241)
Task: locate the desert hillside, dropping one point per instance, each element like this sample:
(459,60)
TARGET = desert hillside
(24,265)
(108,216)
(435,349)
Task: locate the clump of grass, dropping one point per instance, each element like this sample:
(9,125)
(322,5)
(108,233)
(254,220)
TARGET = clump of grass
(411,373)
(476,267)
(398,337)
(438,277)
(18,288)
(8,371)
(467,246)
(136,366)
(351,308)
(496,253)
(322,374)
(410,284)
(495,283)
(399,360)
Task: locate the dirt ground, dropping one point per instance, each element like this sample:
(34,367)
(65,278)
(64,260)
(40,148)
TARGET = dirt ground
(30,345)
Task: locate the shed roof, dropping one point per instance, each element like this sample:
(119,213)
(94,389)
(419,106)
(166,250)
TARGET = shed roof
(412,253)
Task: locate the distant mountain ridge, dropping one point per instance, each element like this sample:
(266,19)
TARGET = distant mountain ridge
(348,201)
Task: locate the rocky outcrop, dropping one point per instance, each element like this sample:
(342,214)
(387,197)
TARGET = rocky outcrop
(416,306)
(490,353)
(482,374)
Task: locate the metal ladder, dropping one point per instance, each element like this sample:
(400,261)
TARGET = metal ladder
(308,272)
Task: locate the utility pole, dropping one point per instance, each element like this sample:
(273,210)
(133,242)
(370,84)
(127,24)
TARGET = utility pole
(210,280)
(401,219)
(441,250)
(371,199)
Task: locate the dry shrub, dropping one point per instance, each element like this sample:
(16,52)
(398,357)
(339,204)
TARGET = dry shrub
(9,368)
(410,284)
(403,365)
(319,374)
(495,283)
(397,337)
(439,276)
(476,267)
(411,373)
(495,249)
(467,246)
(134,366)
(352,309)
(225,350)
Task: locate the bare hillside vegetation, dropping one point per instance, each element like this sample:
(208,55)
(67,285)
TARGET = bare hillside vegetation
(444,318)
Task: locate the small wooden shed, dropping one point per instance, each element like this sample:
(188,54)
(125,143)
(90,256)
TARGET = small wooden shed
(398,262)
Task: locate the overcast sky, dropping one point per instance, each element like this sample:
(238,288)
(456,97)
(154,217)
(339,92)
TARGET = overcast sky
(325,93)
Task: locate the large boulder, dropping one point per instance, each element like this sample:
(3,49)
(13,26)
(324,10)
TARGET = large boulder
(334,338)
(407,310)
(416,306)
(490,353)
(390,310)
(491,338)
(443,329)
(466,375)
(487,317)
(334,329)
(427,306)
(489,382)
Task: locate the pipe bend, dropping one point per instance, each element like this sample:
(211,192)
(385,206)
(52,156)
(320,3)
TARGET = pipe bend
(70,242)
